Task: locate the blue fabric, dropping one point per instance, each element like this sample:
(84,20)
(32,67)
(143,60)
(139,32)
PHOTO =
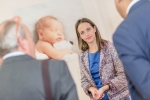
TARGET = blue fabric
(128,98)
(94,63)
(132,42)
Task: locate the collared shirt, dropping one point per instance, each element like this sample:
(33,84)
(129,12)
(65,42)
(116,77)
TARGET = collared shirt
(13,54)
(131,4)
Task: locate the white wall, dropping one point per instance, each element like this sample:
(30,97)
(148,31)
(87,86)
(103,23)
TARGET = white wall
(7,7)
(67,11)
(104,14)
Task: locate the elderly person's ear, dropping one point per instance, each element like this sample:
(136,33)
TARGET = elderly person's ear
(22,43)
(1,60)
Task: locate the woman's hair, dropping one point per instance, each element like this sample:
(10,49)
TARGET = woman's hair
(81,43)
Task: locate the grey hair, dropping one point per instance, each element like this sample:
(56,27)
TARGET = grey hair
(9,36)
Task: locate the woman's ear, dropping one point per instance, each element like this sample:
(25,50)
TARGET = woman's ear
(40,34)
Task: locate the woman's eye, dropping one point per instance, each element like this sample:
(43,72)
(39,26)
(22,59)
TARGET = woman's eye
(82,33)
(88,29)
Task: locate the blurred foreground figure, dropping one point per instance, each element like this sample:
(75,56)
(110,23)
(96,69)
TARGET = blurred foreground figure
(21,76)
(132,41)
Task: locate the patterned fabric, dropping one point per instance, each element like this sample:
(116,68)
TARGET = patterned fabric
(111,72)
(94,59)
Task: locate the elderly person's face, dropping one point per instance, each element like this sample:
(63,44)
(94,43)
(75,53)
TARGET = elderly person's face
(24,42)
(1,60)
(29,43)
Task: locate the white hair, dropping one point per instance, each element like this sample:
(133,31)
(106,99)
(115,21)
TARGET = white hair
(9,37)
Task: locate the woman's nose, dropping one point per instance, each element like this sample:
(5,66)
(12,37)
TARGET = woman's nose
(86,33)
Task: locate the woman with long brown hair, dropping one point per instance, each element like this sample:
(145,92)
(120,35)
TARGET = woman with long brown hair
(102,74)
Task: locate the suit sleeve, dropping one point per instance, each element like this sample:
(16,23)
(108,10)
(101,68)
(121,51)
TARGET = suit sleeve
(119,81)
(68,87)
(132,47)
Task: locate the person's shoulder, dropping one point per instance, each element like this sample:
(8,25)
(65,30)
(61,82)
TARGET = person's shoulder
(57,63)
(57,66)
(108,44)
(124,28)
(81,53)
(43,43)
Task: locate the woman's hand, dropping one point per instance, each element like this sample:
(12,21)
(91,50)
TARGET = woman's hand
(101,93)
(94,92)
(102,90)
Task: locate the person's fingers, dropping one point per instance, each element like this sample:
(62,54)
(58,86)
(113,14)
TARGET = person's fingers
(95,95)
(102,96)
(16,18)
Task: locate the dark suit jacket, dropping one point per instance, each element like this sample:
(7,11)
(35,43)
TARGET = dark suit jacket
(21,79)
(132,41)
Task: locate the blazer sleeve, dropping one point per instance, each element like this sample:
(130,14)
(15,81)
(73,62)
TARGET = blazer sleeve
(68,87)
(133,50)
(84,81)
(119,81)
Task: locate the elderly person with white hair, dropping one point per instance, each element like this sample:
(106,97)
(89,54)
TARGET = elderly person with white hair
(24,78)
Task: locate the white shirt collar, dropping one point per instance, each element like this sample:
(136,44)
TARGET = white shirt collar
(13,54)
(131,4)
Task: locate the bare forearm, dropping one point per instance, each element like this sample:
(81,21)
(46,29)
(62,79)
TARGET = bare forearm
(91,89)
(59,54)
(105,87)
(63,52)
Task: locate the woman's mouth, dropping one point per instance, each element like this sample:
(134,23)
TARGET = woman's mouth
(88,38)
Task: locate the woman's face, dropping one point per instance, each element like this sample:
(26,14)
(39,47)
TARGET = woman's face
(87,32)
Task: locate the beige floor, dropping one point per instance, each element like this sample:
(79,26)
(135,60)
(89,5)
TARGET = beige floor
(75,72)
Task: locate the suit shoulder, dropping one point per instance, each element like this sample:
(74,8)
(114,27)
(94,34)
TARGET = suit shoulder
(57,62)
(54,60)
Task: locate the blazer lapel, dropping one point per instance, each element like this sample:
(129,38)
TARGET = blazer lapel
(86,63)
(101,58)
